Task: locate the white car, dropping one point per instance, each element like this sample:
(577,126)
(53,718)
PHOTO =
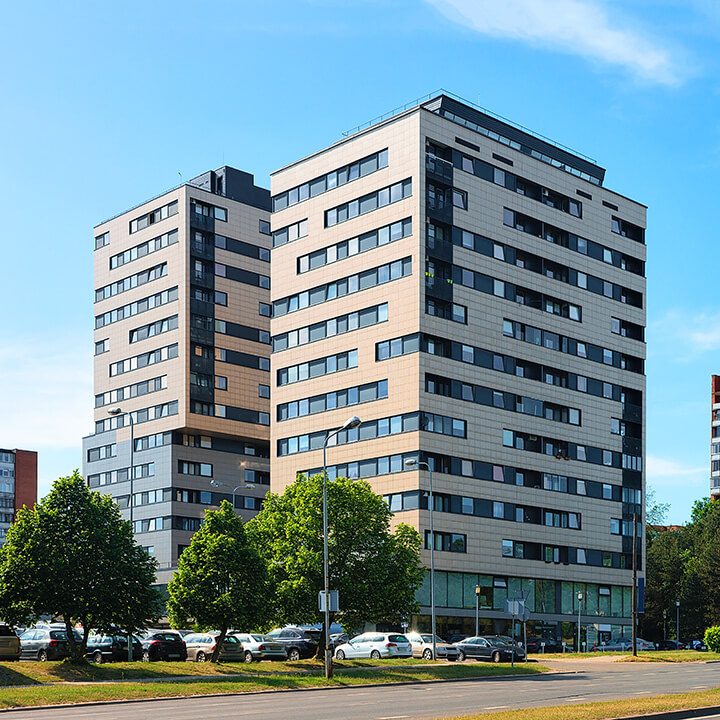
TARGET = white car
(375,645)
(422,645)
(259,647)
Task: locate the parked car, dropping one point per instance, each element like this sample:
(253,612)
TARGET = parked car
(201,646)
(543,644)
(697,645)
(260,647)
(298,642)
(337,639)
(44,644)
(163,645)
(375,645)
(482,648)
(112,648)
(670,645)
(9,644)
(624,645)
(422,646)
(454,639)
(509,642)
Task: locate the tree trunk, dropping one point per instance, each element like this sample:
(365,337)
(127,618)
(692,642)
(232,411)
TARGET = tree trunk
(77,650)
(320,652)
(219,644)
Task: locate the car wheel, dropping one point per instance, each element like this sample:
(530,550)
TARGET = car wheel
(248,657)
(146,656)
(293,654)
(43,656)
(496,657)
(200,657)
(427,654)
(340,655)
(375,654)
(97,657)
(461,656)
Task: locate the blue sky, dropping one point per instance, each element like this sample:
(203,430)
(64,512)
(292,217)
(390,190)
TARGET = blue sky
(106,104)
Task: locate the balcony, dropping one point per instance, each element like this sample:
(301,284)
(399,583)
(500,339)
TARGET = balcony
(438,168)
(202,222)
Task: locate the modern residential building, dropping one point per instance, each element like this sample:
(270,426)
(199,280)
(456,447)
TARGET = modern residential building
(476,296)
(18,484)
(182,335)
(715,438)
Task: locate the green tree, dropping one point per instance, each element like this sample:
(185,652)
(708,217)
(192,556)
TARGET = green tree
(375,571)
(655,512)
(73,555)
(221,579)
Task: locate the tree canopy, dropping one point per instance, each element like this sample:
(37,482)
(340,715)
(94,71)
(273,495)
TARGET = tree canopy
(221,580)
(74,556)
(684,565)
(376,571)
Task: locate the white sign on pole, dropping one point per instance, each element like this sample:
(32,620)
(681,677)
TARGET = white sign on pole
(334,601)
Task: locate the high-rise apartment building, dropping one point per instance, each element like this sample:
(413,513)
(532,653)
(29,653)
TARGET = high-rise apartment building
(182,333)
(715,438)
(476,296)
(18,484)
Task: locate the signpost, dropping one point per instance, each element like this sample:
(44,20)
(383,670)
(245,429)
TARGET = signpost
(516,608)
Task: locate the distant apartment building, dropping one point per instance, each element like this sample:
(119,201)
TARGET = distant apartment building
(715,438)
(182,348)
(18,484)
(476,296)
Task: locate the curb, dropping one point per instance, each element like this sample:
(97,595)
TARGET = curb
(676,714)
(94,703)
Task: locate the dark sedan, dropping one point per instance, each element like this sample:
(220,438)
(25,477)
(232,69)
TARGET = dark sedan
(112,648)
(490,649)
(163,645)
(298,642)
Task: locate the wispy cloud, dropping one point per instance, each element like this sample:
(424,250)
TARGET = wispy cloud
(46,391)
(577,27)
(684,335)
(664,472)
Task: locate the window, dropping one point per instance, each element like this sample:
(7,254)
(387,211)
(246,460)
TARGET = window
(289,233)
(130,391)
(345,286)
(316,368)
(166,211)
(264,391)
(368,203)
(195,468)
(447,542)
(331,180)
(102,240)
(221,382)
(336,326)
(333,400)
(102,346)
(353,246)
(264,309)
(264,227)
(130,282)
(162,298)
(143,249)
(209,211)
(144,415)
(151,330)
(396,347)
(139,361)
(102,453)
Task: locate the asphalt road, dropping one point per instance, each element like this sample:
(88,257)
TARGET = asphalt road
(589,682)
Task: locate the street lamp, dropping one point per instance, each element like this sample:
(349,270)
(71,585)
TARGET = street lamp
(677,621)
(414,462)
(218,483)
(353,422)
(115,412)
(579,597)
(477,610)
(665,624)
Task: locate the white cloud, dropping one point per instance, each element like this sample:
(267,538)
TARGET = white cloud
(684,334)
(46,391)
(577,27)
(665,472)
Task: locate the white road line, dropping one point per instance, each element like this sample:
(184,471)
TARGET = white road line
(495,707)
(393,717)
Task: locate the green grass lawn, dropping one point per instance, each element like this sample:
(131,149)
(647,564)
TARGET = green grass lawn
(348,674)
(646,656)
(607,710)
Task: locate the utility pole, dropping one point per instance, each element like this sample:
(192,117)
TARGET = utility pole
(634,586)
(477,610)
(677,621)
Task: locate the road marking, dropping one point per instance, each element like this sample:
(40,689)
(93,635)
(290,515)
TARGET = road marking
(699,687)
(393,717)
(575,699)
(495,707)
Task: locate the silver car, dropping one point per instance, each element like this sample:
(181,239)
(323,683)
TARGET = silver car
(259,647)
(422,647)
(375,645)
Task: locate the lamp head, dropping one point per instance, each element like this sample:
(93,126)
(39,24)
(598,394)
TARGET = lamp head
(353,422)
(411,462)
(115,411)
(214,483)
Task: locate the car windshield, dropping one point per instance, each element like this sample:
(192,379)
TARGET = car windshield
(258,638)
(58,635)
(429,639)
(274,633)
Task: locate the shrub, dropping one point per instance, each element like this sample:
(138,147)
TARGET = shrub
(712,638)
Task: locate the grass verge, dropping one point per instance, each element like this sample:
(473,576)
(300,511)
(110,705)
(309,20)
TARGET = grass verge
(645,656)
(37,695)
(606,710)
